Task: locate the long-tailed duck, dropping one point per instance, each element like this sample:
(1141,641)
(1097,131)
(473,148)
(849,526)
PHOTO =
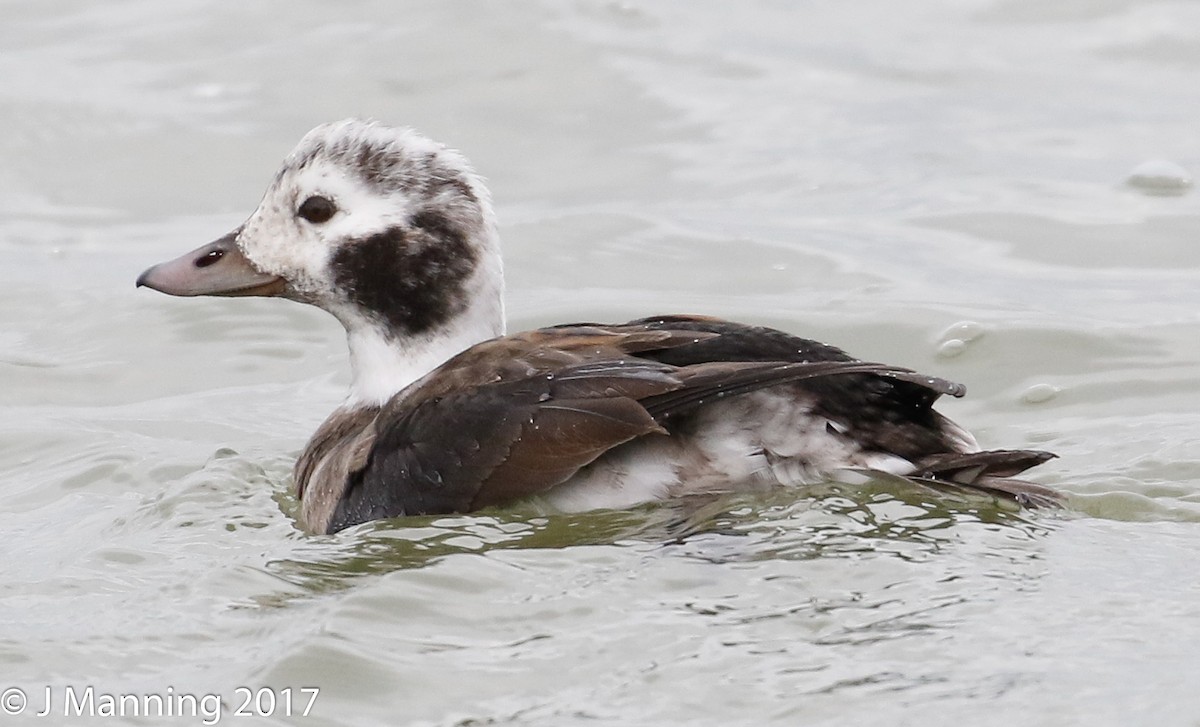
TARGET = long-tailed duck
(394,235)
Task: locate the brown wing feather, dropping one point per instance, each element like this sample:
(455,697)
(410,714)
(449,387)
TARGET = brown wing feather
(518,415)
(545,351)
(559,439)
(506,440)
(500,441)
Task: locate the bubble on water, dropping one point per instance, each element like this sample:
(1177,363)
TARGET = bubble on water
(952,348)
(1040,393)
(1160,177)
(965,331)
(955,339)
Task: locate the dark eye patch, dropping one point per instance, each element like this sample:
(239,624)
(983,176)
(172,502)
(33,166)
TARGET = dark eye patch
(411,277)
(317,209)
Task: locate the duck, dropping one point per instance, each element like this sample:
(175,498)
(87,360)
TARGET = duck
(395,235)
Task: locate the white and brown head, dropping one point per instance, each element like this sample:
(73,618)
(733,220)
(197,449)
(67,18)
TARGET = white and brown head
(390,232)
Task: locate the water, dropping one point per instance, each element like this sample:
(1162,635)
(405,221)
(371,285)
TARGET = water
(953,186)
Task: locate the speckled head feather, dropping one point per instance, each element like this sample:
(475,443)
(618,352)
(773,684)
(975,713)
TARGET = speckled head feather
(394,235)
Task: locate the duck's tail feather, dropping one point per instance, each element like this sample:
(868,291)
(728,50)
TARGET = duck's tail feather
(991,472)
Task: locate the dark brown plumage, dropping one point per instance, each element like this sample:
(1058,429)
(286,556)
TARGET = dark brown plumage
(520,415)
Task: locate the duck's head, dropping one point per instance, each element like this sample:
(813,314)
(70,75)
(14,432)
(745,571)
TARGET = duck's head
(390,232)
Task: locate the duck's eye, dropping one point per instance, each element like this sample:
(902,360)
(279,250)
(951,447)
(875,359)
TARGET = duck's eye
(317,209)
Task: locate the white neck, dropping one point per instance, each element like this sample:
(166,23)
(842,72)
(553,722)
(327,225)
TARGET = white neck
(382,365)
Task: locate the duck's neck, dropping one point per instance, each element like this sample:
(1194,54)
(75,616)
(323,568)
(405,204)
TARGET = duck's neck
(382,364)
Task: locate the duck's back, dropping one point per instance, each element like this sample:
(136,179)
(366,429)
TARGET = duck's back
(590,416)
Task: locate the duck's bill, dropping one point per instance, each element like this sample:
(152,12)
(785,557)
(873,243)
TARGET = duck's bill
(218,268)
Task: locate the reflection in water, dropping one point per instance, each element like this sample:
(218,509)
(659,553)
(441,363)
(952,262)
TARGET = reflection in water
(827,521)
(822,593)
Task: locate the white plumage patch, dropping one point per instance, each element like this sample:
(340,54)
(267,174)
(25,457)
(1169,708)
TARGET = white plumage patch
(642,471)
(767,438)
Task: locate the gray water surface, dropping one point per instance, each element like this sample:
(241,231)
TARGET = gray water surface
(940,185)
